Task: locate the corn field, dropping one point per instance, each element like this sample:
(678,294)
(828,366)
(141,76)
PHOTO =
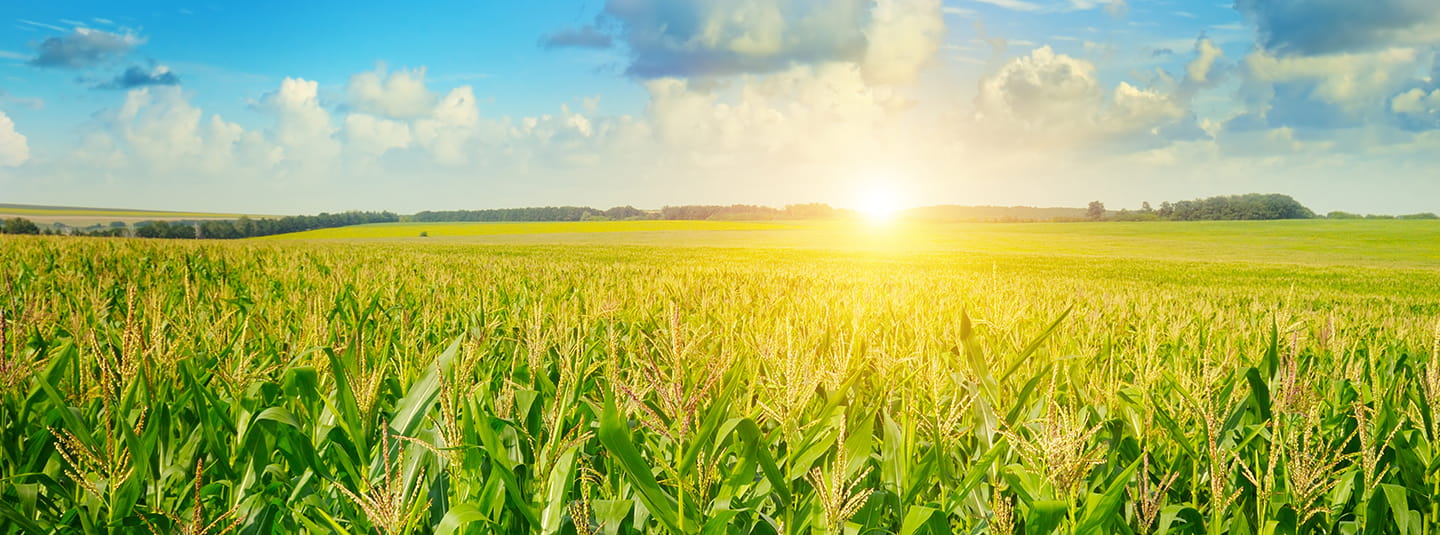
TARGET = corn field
(210,388)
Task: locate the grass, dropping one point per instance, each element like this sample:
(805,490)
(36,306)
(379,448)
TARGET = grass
(1079,378)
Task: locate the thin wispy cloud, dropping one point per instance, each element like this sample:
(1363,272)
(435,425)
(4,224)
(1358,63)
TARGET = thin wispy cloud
(582,37)
(42,25)
(1016,5)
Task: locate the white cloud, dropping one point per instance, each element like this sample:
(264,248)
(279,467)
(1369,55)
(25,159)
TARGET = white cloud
(1348,80)
(1053,100)
(1117,9)
(1416,102)
(1017,5)
(14,148)
(398,95)
(302,126)
(1198,71)
(159,133)
(450,127)
(903,37)
(375,135)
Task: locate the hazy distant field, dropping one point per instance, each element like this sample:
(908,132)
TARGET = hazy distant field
(83,217)
(727,378)
(443,230)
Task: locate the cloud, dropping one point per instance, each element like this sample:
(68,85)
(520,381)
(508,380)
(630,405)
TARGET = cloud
(1054,100)
(134,77)
(157,131)
(1199,71)
(1350,80)
(398,95)
(1417,110)
(1016,5)
(583,37)
(450,127)
(302,126)
(14,148)
(891,39)
(41,25)
(903,36)
(375,135)
(1416,102)
(1316,27)
(83,48)
(1117,9)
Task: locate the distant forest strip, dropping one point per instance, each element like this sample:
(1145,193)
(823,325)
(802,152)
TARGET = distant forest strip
(1248,207)
(243,227)
(1252,206)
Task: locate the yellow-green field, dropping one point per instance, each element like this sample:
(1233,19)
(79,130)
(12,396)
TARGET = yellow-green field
(451,230)
(1344,242)
(727,378)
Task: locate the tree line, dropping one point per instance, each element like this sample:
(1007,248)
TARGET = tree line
(746,212)
(1247,207)
(244,227)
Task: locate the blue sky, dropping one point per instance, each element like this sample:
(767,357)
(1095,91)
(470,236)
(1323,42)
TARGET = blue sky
(288,107)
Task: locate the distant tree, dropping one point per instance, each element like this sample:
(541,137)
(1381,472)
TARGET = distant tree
(1096,211)
(1166,210)
(1422,215)
(1145,207)
(19,225)
(621,213)
(1342,215)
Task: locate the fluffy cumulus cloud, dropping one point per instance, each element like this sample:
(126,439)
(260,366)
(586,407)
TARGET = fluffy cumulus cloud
(1326,68)
(83,47)
(158,132)
(1312,27)
(14,148)
(302,126)
(1417,109)
(902,37)
(1051,99)
(450,127)
(806,112)
(399,95)
(1326,91)
(891,38)
(374,135)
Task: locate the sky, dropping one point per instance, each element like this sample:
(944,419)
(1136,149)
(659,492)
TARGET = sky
(301,107)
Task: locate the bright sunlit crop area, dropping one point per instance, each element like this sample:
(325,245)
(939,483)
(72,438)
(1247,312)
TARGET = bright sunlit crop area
(720,267)
(1078,378)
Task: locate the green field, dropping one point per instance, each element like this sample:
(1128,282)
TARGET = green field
(737,378)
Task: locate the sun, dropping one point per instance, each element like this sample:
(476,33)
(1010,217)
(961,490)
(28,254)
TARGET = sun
(879,200)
